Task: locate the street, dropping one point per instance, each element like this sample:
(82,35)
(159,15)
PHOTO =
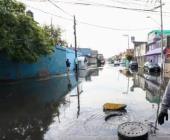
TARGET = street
(50,108)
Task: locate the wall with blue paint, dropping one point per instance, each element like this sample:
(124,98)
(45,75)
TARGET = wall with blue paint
(47,65)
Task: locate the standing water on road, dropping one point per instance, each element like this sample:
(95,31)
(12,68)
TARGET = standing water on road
(50,108)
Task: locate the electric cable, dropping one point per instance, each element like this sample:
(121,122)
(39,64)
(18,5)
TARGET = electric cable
(109,6)
(112,6)
(104,5)
(89,24)
(59,8)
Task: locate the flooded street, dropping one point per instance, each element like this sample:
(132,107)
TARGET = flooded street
(50,109)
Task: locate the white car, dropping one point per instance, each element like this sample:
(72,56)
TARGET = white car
(116,63)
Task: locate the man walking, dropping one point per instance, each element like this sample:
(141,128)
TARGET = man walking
(68,65)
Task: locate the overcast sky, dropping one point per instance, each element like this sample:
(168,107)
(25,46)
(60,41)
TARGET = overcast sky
(111,23)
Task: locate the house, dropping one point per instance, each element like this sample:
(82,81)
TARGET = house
(167,57)
(153,49)
(139,52)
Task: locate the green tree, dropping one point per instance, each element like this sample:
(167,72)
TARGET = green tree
(54,35)
(21,38)
(129,57)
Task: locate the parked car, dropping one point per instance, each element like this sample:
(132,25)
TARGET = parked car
(133,65)
(116,63)
(151,67)
(154,77)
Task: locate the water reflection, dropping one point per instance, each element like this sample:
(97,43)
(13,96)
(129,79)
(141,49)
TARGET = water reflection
(87,74)
(44,109)
(154,86)
(83,74)
(27,108)
(128,74)
(151,84)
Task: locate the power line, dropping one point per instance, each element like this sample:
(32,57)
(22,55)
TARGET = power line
(59,8)
(135,2)
(111,28)
(104,5)
(68,19)
(108,6)
(89,24)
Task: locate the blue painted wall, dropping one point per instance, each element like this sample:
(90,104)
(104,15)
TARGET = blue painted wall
(48,65)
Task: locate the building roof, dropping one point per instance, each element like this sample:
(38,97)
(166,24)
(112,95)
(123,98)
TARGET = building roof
(137,43)
(165,32)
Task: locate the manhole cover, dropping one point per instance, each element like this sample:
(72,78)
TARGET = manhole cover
(133,131)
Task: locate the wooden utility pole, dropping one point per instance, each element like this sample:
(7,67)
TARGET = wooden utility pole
(162,66)
(76,67)
(75,40)
(162,57)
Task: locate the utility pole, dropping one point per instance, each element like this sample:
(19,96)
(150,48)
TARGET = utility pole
(162,57)
(162,65)
(76,67)
(75,40)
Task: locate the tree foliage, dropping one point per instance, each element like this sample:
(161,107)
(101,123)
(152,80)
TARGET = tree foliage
(54,35)
(129,57)
(21,38)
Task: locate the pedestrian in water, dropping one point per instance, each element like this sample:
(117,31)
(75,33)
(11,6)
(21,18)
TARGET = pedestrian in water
(165,105)
(68,65)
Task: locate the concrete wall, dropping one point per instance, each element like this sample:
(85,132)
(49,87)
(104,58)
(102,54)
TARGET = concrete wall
(47,65)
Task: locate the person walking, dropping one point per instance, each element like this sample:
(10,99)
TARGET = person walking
(68,65)
(165,105)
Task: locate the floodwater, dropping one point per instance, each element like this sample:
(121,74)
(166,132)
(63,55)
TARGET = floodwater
(51,108)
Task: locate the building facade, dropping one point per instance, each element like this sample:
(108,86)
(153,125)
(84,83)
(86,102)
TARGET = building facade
(139,52)
(153,50)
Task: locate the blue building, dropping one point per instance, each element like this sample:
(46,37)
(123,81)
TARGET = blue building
(48,65)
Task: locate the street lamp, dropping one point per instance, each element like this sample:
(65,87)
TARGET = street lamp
(126,35)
